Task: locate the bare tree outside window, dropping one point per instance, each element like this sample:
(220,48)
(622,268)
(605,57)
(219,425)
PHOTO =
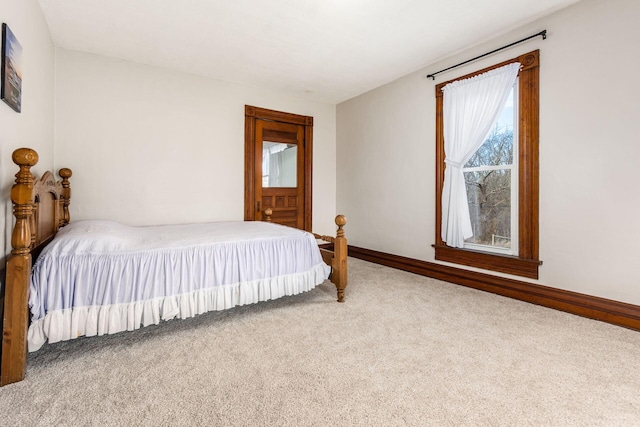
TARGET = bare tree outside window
(489,189)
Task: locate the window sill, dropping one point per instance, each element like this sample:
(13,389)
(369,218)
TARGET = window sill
(495,262)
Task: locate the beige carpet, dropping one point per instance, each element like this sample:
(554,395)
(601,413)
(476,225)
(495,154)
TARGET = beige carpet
(403,350)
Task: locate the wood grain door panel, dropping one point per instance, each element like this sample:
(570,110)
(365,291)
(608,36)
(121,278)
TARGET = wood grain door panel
(284,204)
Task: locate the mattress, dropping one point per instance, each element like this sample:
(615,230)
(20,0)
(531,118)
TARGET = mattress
(102,277)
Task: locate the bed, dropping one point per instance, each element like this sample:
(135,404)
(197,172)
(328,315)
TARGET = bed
(68,279)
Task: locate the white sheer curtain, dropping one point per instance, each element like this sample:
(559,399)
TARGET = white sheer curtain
(275,169)
(470,108)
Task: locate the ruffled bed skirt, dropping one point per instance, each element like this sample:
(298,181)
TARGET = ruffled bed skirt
(66,324)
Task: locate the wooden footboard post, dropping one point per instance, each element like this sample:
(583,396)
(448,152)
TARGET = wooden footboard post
(14,334)
(267,215)
(340,258)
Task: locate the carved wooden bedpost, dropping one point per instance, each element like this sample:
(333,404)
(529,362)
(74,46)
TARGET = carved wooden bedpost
(65,174)
(340,258)
(14,337)
(267,214)
(337,258)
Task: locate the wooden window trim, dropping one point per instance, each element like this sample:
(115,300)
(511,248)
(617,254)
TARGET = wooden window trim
(526,263)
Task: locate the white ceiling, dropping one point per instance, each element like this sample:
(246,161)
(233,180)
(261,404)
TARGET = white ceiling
(324,50)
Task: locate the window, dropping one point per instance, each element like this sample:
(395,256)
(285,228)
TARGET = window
(279,164)
(491,180)
(501,179)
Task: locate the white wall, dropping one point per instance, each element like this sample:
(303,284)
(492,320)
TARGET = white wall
(152,146)
(33,127)
(589,151)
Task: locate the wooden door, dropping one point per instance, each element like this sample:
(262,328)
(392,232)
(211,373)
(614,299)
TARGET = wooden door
(278,167)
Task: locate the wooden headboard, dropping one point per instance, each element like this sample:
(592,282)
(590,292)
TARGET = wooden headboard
(40,207)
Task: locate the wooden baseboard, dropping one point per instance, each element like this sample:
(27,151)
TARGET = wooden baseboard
(614,312)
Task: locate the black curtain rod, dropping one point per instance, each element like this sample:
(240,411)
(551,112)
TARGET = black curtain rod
(542,33)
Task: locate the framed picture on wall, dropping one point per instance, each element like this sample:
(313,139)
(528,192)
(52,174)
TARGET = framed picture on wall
(11,91)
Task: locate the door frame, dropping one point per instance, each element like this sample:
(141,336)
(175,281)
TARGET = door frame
(251,114)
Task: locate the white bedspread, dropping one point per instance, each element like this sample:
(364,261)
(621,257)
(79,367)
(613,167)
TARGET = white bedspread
(102,277)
